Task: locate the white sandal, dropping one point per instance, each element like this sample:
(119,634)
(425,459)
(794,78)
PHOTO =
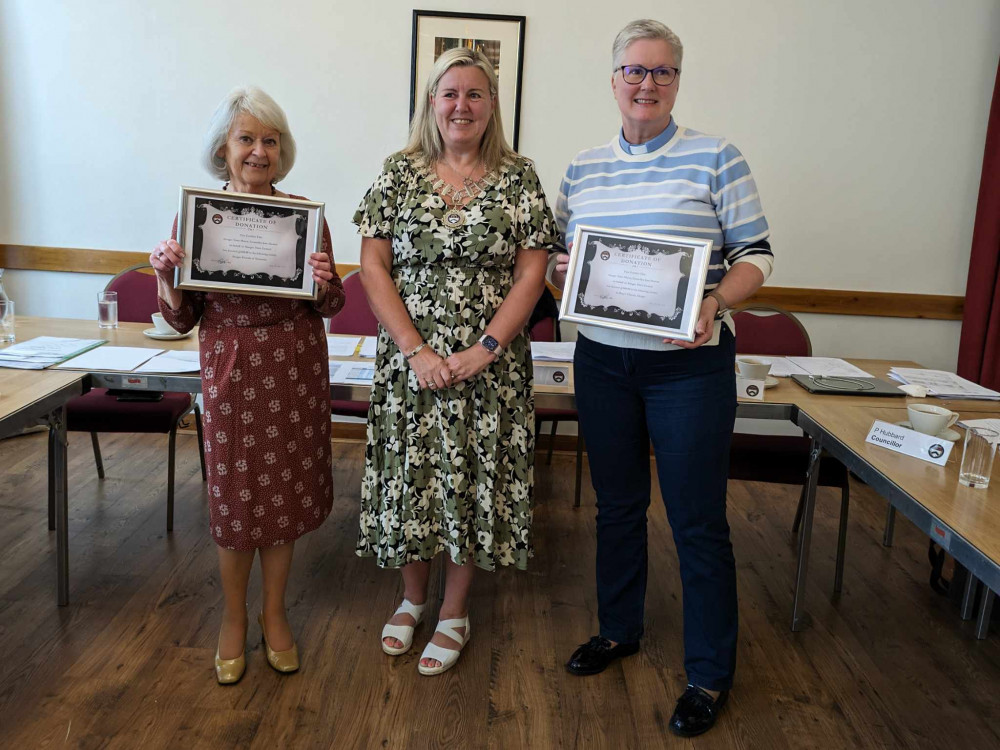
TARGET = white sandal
(446,656)
(402,633)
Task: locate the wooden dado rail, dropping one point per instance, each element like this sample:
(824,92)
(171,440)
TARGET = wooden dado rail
(826,301)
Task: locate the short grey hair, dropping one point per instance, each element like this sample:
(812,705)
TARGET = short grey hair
(256,103)
(644,28)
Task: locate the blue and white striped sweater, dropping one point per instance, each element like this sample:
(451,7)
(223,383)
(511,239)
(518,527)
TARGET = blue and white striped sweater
(682,182)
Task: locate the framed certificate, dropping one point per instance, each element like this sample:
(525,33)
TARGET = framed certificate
(636,281)
(247,244)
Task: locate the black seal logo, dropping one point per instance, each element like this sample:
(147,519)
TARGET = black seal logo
(217,219)
(605,255)
(936,450)
(558,376)
(752,391)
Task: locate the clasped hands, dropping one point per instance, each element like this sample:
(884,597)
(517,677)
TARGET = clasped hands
(434,371)
(168,255)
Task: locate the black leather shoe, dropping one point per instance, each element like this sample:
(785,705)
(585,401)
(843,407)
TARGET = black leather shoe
(696,712)
(596,654)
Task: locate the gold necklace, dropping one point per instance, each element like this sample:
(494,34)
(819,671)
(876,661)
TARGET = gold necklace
(455,216)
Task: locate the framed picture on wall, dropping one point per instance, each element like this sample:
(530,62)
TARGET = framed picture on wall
(247,244)
(500,38)
(636,281)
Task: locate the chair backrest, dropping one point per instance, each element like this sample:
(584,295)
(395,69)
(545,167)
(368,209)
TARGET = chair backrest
(356,317)
(136,294)
(544,330)
(762,329)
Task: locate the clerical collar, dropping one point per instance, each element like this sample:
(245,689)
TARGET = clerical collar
(650,145)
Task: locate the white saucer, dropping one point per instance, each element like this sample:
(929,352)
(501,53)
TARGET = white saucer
(154,334)
(947,434)
(770,381)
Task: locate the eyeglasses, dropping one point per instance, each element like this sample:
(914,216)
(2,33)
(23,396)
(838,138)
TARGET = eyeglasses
(635,74)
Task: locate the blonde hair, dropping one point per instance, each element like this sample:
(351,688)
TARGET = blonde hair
(256,103)
(425,143)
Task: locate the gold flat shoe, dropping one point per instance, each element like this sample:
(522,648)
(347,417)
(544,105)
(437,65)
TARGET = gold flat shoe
(281,661)
(229,671)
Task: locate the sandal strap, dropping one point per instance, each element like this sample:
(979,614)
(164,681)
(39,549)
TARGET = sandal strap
(447,627)
(416,611)
(402,633)
(444,655)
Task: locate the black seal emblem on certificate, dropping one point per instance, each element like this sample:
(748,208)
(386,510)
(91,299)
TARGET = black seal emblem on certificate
(248,244)
(636,281)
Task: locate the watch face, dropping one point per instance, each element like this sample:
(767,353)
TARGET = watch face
(490,343)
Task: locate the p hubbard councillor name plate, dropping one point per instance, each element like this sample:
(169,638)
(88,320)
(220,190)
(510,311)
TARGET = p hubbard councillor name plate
(909,442)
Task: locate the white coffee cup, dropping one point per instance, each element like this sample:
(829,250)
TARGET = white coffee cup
(930,419)
(161,325)
(752,369)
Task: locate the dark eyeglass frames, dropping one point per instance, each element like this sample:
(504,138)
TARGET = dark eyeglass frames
(635,74)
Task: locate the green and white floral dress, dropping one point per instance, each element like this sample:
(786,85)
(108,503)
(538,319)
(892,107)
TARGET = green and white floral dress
(451,470)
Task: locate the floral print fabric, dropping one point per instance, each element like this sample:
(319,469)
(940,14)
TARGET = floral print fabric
(451,470)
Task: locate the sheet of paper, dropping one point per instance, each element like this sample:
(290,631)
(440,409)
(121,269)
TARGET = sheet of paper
(830,367)
(42,351)
(943,383)
(342,346)
(560,351)
(116,358)
(992,424)
(369,346)
(172,362)
(781,367)
(352,373)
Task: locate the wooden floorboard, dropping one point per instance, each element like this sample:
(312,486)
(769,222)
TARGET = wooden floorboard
(129,663)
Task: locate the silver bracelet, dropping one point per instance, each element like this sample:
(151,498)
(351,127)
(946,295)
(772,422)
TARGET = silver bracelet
(416,351)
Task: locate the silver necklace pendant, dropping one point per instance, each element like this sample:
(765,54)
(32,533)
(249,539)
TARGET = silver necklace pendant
(454,218)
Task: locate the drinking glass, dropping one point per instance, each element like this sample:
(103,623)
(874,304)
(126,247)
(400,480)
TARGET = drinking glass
(977,457)
(6,321)
(107,310)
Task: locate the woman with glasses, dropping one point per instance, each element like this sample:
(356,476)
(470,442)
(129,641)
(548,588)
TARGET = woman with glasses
(456,232)
(657,176)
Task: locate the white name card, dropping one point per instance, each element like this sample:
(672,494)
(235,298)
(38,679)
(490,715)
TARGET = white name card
(752,389)
(909,442)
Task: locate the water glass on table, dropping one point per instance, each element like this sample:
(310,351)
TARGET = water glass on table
(6,321)
(107,310)
(977,457)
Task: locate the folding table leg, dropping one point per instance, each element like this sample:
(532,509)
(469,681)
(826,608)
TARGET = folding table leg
(890,525)
(799,617)
(845,504)
(57,458)
(985,611)
(969,597)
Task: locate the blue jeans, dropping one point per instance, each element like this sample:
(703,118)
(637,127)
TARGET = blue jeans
(685,402)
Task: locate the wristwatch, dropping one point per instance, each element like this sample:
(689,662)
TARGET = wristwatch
(491,345)
(723,305)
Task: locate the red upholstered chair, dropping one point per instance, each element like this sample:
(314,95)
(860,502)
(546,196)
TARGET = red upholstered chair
(355,318)
(547,329)
(782,459)
(97,411)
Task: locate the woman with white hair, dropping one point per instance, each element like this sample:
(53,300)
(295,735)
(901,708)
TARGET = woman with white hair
(631,388)
(455,233)
(265,382)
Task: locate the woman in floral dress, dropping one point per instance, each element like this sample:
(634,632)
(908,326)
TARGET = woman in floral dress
(265,381)
(455,232)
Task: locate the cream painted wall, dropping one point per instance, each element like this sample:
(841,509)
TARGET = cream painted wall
(863,122)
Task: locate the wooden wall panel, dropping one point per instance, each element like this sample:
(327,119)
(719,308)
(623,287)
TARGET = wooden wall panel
(795,299)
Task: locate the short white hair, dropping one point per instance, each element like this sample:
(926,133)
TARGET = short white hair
(644,28)
(256,103)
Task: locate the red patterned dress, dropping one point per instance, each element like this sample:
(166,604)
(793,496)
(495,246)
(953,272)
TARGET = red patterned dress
(265,382)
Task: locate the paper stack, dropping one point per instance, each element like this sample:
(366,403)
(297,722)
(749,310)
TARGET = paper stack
(943,384)
(43,351)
